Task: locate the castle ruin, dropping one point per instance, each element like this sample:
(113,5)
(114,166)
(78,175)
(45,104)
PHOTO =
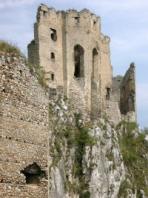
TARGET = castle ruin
(75,57)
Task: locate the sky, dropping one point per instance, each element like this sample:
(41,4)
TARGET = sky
(125,22)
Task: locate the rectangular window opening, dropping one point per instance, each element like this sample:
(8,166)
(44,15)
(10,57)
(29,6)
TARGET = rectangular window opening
(52,77)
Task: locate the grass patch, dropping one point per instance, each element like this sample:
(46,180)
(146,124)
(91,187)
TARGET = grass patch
(123,189)
(9,48)
(82,139)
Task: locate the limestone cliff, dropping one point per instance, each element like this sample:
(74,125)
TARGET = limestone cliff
(94,160)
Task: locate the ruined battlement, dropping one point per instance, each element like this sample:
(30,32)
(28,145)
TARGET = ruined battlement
(75,56)
(70,18)
(127,89)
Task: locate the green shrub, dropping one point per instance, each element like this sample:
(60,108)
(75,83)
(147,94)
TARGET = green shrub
(82,139)
(123,189)
(110,156)
(76,137)
(68,133)
(85,195)
(134,148)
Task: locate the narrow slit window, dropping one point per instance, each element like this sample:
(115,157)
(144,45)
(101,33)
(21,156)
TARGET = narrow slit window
(52,55)
(108,90)
(95,65)
(52,77)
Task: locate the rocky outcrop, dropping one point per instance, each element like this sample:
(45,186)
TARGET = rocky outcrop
(93,159)
(85,158)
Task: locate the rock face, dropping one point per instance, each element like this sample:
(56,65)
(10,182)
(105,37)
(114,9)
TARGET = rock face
(94,159)
(23,129)
(85,158)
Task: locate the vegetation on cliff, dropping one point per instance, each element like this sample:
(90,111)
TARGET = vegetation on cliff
(72,136)
(134,149)
(71,140)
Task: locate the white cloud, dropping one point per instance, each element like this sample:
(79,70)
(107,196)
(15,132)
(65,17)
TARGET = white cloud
(14,3)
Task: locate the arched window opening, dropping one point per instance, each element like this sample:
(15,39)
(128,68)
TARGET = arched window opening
(79,61)
(95,60)
(33,173)
(53,34)
(52,55)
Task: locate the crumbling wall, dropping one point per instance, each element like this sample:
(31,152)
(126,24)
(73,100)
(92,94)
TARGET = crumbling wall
(113,101)
(122,104)
(128,91)
(116,83)
(48,39)
(23,129)
(57,34)
(33,57)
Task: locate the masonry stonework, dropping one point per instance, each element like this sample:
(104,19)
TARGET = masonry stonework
(23,131)
(75,56)
(128,94)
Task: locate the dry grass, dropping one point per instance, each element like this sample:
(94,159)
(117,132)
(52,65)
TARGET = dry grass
(9,48)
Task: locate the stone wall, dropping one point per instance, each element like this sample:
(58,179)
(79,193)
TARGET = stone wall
(56,34)
(23,129)
(33,51)
(122,102)
(75,55)
(128,91)
(116,83)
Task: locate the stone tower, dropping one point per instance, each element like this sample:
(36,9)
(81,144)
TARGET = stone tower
(74,54)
